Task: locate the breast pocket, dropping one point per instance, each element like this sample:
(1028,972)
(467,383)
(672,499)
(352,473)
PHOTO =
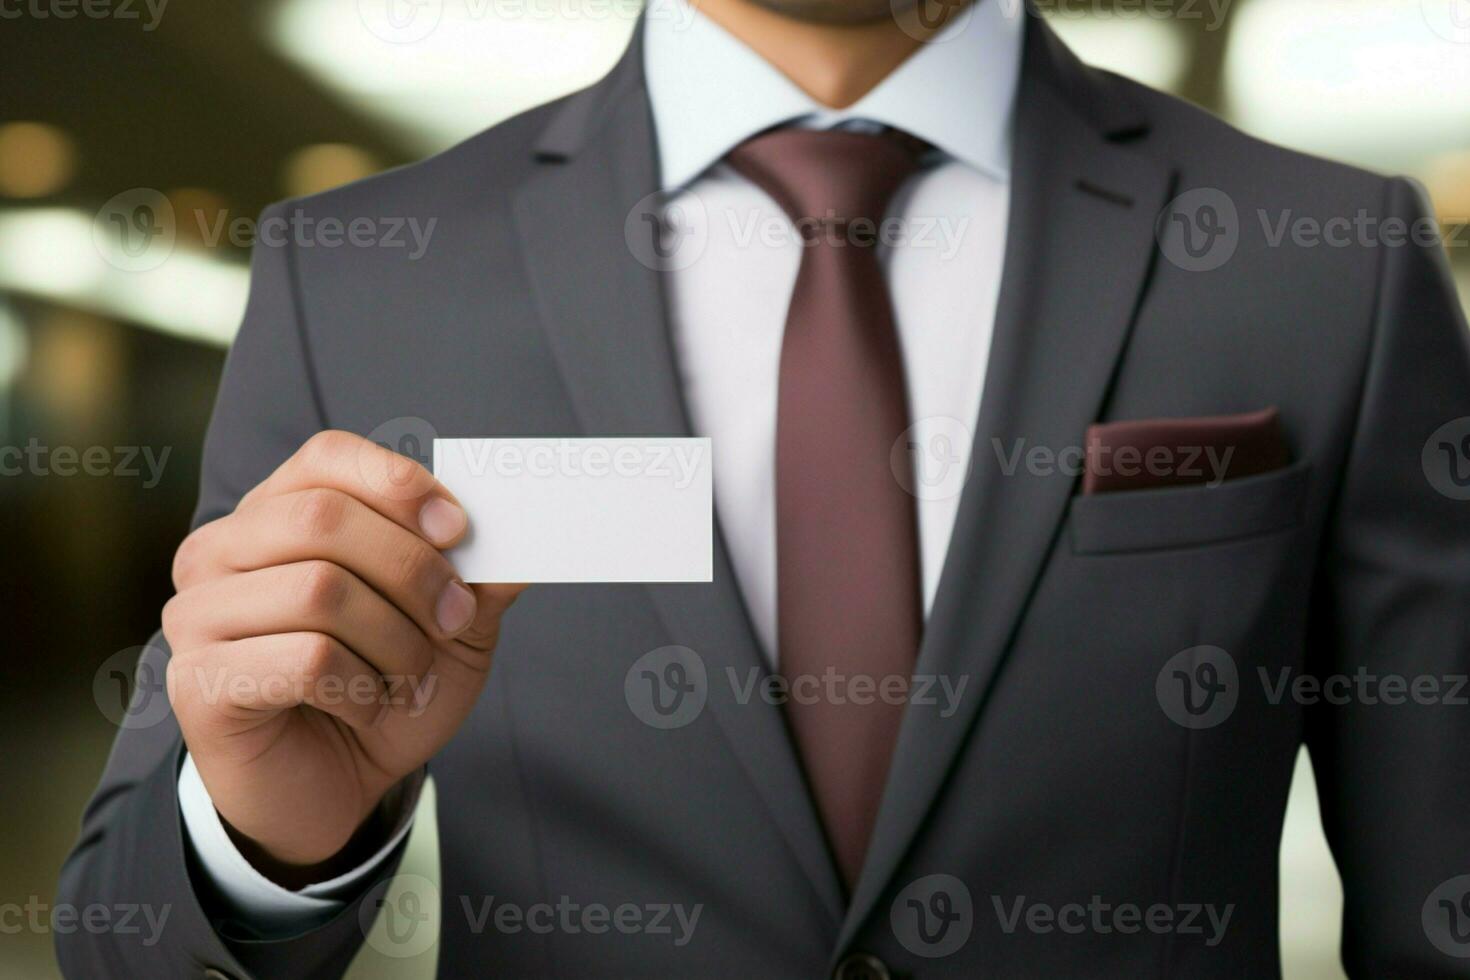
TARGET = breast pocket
(1185,517)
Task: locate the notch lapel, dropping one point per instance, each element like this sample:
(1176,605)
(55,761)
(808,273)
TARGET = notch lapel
(1079,250)
(604,314)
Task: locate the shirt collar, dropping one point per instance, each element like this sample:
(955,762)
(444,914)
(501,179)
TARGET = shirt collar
(709,92)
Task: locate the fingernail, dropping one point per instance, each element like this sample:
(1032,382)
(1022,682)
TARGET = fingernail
(455,609)
(441,520)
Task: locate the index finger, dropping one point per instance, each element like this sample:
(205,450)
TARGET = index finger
(397,487)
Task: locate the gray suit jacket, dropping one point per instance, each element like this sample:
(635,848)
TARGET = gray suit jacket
(1061,776)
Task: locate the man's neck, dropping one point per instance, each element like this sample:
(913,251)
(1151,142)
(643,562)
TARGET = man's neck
(836,64)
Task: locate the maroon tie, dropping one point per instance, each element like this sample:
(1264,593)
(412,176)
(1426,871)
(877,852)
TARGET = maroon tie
(848,605)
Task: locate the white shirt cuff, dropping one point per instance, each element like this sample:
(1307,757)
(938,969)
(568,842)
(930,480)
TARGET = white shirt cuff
(254,899)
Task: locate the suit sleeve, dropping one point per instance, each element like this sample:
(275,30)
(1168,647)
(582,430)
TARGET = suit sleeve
(132,850)
(1392,760)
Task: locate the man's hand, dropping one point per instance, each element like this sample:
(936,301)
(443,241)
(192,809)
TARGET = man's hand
(323,648)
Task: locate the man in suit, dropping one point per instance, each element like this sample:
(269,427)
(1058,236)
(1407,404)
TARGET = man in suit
(1098,791)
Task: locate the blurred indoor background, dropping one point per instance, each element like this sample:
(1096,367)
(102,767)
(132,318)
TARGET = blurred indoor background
(218,107)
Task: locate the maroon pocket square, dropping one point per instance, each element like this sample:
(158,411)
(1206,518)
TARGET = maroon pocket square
(1145,453)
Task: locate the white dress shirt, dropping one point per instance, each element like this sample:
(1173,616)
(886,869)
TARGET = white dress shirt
(727,307)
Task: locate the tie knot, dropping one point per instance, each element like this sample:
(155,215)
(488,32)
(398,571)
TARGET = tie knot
(828,177)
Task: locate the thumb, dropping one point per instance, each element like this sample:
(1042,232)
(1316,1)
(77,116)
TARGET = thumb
(491,602)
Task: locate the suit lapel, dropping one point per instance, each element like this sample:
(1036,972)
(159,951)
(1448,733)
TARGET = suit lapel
(603,311)
(1080,246)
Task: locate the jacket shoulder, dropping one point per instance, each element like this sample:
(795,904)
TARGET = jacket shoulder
(488,163)
(1207,149)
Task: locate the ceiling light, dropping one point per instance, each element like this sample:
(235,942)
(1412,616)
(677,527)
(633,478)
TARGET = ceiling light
(1371,81)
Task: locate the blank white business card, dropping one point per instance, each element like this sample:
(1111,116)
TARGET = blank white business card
(582,510)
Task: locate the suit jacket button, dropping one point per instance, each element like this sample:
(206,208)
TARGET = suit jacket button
(861,966)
